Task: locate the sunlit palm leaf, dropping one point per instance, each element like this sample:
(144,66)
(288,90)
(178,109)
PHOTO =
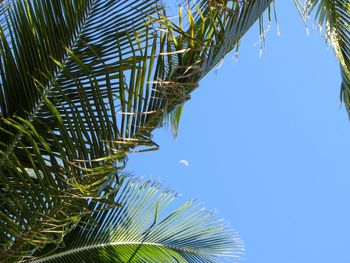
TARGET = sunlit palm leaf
(141,230)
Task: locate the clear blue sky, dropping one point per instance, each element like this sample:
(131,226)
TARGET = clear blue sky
(268,146)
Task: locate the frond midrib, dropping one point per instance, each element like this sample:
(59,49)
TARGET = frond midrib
(48,90)
(119,243)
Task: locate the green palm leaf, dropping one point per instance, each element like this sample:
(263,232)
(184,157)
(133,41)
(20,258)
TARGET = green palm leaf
(200,39)
(82,84)
(60,145)
(140,229)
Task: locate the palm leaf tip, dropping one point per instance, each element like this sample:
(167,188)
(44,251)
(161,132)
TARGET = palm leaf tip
(142,230)
(332,17)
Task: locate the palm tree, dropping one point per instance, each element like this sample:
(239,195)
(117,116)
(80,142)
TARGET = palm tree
(84,83)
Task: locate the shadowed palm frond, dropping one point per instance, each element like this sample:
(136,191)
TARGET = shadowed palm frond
(204,34)
(140,229)
(60,81)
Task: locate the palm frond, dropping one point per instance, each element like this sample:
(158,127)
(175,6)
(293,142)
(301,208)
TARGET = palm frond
(201,38)
(333,18)
(140,229)
(98,50)
(61,144)
(84,82)
(243,17)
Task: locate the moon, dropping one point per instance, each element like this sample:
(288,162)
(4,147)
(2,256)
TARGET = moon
(184,163)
